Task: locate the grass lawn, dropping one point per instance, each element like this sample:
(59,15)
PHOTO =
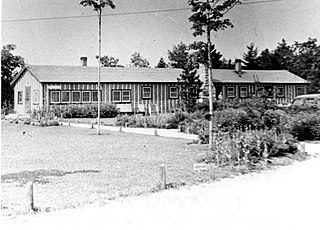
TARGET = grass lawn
(76,167)
(73,167)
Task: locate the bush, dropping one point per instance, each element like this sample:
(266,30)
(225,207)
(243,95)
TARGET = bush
(249,147)
(306,126)
(78,111)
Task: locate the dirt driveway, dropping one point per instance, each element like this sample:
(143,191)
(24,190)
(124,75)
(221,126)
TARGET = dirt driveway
(285,198)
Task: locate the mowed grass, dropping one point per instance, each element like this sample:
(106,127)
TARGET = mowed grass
(77,167)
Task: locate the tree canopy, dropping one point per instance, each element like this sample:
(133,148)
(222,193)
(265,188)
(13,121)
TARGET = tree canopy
(109,61)
(9,66)
(138,61)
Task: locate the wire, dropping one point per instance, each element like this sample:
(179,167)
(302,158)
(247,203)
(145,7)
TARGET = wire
(120,14)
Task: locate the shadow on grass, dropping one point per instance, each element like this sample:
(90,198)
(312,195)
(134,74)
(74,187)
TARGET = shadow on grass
(39,176)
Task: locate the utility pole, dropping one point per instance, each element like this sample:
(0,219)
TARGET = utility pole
(99,70)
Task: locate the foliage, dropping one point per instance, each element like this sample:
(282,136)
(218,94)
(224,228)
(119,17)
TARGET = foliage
(108,61)
(138,61)
(190,88)
(9,66)
(167,121)
(210,14)
(300,58)
(77,111)
(251,57)
(306,126)
(240,147)
(162,64)
(179,56)
(98,4)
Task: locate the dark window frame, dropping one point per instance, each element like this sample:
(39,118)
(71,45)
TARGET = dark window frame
(20,99)
(142,92)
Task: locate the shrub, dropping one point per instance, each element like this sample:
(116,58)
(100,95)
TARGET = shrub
(78,111)
(306,126)
(249,147)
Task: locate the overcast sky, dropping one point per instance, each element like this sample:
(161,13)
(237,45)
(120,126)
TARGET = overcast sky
(63,41)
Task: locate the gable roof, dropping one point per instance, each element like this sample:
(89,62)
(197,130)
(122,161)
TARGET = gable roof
(88,74)
(254,76)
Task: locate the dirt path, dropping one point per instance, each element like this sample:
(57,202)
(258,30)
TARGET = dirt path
(286,198)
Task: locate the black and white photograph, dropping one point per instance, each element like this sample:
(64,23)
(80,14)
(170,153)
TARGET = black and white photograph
(160,114)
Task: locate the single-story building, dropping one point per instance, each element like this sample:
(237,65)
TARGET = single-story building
(151,90)
(280,85)
(131,89)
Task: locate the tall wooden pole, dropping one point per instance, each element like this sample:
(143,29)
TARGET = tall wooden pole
(99,71)
(210,87)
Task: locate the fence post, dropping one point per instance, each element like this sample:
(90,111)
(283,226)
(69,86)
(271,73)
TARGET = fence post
(30,204)
(69,123)
(155,132)
(163,175)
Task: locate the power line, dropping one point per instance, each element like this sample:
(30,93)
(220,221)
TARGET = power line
(121,14)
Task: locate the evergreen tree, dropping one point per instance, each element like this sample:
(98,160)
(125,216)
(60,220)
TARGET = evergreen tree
(251,57)
(190,88)
(162,64)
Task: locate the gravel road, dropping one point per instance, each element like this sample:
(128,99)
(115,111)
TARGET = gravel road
(284,198)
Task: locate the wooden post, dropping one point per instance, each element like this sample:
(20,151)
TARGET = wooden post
(120,129)
(163,176)
(303,147)
(155,132)
(69,123)
(30,204)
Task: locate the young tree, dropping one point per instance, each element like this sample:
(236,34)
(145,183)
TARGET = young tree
(108,61)
(208,15)
(138,61)
(251,57)
(9,65)
(98,5)
(190,88)
(162,64)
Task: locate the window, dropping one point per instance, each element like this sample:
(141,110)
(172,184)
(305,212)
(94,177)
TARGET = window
(116,96)
(300,91)
(126,96)
(173,92)
(35,97)
(76,97)
(55,96)
(243,91)
(280,91)
(86,96)
(230,92)
(121,95)
(65,97)
(146,92)
(19,97)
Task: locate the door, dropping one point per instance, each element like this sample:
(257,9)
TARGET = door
(27,108)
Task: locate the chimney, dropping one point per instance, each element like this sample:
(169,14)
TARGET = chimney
(83,61)
(238,66)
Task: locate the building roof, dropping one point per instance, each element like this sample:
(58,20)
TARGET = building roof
(53,74)
(254,76)
(88,74)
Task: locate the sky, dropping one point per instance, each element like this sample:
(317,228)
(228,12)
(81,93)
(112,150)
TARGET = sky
(64,41)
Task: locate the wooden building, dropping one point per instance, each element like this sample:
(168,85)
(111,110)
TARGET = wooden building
(131,89)
(145,90)
(279,85)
